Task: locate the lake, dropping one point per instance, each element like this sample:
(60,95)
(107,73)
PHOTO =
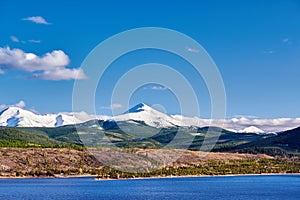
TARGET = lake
(212,188)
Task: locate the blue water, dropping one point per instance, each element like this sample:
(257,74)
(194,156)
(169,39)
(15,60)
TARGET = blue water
(233,188)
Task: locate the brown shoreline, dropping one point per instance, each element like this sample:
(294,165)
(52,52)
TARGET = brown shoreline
(94,177)
(55,176)
(199,176)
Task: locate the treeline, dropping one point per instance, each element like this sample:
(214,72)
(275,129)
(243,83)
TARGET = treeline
(272,151)
(260,166)
(277,151)
(21,144)
(12,137)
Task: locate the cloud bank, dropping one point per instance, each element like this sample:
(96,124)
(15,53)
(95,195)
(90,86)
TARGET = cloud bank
(236,124)
(50,66)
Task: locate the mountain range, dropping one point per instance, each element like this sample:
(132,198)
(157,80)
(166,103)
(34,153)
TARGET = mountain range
(139,127)
(19,117)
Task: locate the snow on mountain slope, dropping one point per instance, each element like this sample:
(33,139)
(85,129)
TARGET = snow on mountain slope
(149,116)
(251,129)
(229,125)
(15,116)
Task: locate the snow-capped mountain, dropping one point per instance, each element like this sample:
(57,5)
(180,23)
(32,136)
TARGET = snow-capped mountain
(150,116)
(18,117)
(141,113)
(14,116)
(251,129)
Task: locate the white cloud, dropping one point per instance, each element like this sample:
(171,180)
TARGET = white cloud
(116,105)
(62,74)
(193,50)
(21,104)
(285,40)
(18,59)
(246,116)
(1,71)
(155,87)
(37,20)
(34,41)
(14,39)
(50,66)
(113,106)
(158,88)
(268,51)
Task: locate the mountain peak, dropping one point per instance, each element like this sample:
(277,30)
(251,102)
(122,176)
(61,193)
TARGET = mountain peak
(138,108)
(148,115)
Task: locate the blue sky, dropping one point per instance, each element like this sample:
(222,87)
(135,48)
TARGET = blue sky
(255,44)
